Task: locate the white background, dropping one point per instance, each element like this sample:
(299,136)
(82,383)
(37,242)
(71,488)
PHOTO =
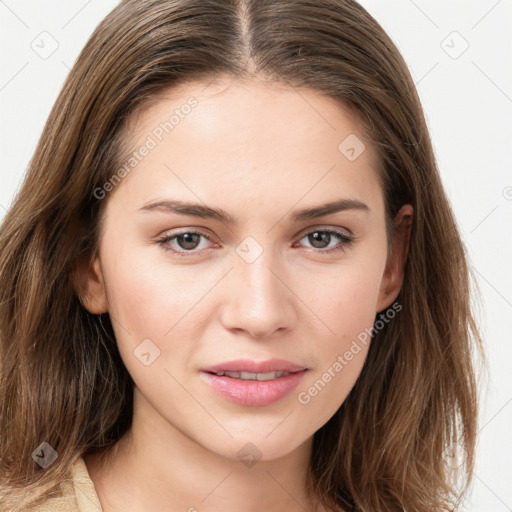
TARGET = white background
(468,104)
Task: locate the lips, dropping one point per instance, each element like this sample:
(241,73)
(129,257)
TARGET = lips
(252,383)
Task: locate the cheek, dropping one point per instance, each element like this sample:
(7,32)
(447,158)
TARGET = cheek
(153,314)
(153,299)
(148,293)
(347,309)
(344,301)
(137,299)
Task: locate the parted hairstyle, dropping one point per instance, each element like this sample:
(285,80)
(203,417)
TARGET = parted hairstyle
(62,380)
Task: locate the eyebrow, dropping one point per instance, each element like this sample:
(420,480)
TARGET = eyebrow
(206,212)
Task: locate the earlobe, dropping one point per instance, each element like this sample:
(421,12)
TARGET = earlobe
(394,272)
(90,287)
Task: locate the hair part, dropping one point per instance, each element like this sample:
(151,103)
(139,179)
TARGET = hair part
(62,379)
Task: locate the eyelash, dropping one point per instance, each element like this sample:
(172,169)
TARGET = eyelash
(346,241)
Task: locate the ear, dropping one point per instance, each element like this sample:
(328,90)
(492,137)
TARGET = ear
(89,285)
(394,272)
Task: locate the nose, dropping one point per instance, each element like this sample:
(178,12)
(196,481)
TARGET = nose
(258,299)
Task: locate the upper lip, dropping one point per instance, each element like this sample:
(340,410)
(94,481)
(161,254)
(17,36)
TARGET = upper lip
(247,365)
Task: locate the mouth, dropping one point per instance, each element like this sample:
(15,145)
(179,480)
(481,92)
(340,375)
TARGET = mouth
(250,383)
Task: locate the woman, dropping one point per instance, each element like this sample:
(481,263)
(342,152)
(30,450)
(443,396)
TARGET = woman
(232,278)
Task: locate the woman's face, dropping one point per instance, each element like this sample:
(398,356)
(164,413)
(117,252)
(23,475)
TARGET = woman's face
(187,290)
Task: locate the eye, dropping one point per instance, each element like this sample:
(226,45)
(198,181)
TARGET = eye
(187,242)
(321,238)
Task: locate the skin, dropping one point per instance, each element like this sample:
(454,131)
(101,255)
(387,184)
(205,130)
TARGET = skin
(259,152)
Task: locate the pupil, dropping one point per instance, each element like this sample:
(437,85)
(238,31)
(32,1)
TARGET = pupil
(190,240)
(320,237)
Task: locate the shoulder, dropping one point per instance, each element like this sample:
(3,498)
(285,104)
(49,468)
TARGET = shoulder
(76,494)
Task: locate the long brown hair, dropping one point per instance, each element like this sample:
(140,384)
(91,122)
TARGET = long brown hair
(62,380)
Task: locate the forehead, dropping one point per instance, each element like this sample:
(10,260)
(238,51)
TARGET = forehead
(231,104)
(251,139)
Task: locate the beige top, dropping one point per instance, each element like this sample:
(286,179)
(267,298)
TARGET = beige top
(76,495)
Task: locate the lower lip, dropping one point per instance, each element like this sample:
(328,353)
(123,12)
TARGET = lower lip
(253,393)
